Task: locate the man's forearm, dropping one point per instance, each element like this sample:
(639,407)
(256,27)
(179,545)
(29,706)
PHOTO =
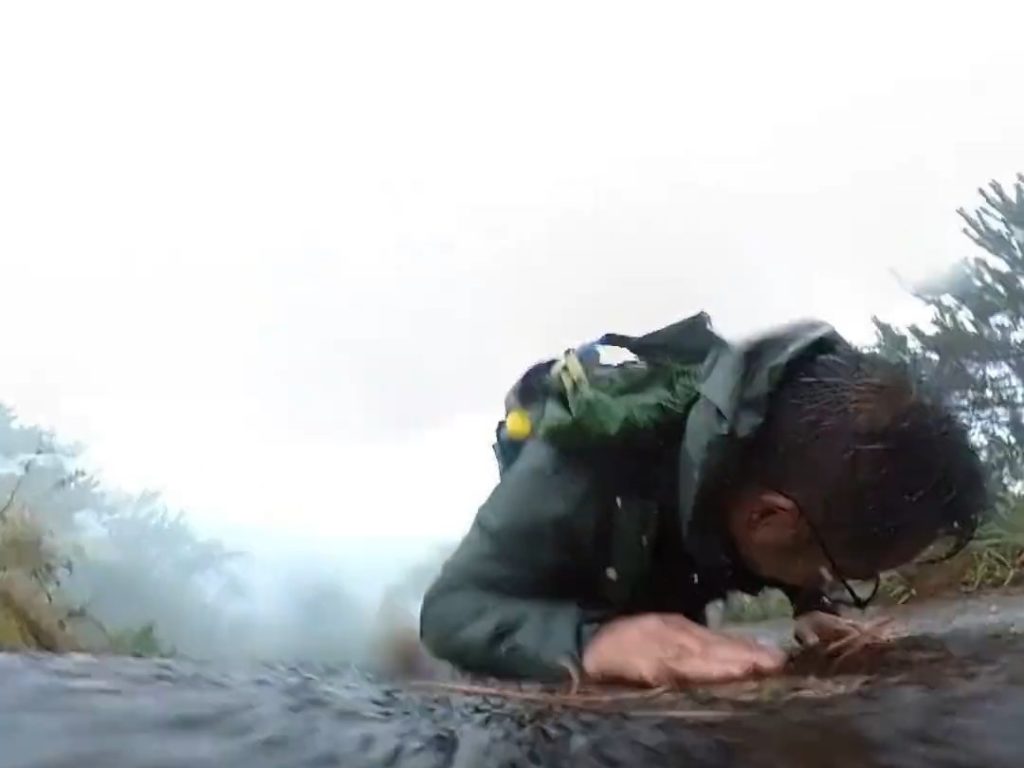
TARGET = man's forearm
(501,636)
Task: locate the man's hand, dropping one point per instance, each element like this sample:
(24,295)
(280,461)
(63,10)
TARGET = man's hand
(835,632)
(819,627)
(667,649)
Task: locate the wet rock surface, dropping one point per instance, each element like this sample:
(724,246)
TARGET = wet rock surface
(952,696)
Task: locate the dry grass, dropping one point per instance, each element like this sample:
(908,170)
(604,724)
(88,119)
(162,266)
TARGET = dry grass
(32,614)
(30,570)
(993,560)
(26,548)
(30,621)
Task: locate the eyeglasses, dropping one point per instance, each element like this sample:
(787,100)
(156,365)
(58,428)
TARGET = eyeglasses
(851,598)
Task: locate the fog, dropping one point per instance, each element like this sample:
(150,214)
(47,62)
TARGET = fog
(279,263)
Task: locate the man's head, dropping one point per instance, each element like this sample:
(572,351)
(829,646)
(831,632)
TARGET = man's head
(856,469)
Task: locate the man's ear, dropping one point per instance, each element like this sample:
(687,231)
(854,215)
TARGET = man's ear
(777,515)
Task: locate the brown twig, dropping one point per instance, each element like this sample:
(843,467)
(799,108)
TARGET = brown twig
(685,714)
(551,697)
(870,635)
(14,492)
(867,632)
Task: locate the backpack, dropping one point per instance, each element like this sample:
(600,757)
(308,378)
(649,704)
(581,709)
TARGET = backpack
(579,401)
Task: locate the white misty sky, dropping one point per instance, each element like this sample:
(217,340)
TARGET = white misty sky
(273,259)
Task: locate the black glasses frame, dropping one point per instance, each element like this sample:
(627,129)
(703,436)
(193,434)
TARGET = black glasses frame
(856,601)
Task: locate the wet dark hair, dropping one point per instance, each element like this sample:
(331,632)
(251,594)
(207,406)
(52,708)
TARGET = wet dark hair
(870,456)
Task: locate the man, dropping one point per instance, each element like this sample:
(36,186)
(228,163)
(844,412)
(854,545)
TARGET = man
(793,461)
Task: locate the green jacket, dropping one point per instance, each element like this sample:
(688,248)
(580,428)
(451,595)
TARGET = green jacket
(567,541)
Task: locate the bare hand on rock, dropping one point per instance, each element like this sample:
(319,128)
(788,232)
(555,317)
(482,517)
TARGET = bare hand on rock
(840,636)
(668,650)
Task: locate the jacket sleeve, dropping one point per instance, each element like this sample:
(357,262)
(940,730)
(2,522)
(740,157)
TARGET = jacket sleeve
(508,602)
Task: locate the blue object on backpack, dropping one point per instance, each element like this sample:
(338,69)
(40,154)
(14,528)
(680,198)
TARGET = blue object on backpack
(589,354)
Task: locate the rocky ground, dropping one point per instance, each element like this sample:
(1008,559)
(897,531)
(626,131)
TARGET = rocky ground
(948,693)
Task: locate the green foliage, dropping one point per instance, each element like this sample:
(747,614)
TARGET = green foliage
(25,548)
(126,574)
(768,604)
(139,642)
(993,560)
(998,549)
(124,561)
(973,350)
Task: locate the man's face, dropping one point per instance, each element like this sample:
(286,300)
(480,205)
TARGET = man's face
(775,542)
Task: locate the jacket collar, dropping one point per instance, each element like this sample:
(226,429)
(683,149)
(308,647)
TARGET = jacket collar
(735,386)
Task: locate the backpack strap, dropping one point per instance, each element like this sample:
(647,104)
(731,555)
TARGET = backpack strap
(687,341)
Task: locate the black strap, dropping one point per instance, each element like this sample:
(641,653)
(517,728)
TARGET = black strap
(687,341)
